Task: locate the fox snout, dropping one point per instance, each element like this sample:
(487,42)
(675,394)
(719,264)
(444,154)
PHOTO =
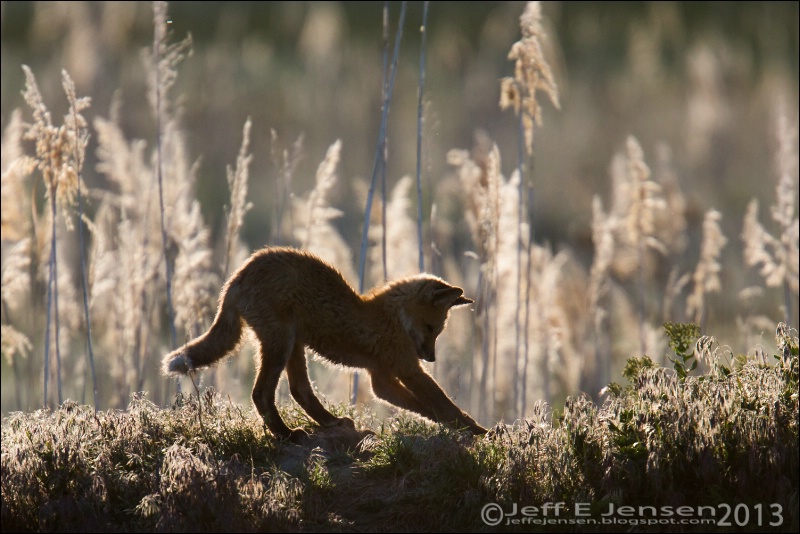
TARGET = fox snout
(450,296)
(461,301)
(429,355)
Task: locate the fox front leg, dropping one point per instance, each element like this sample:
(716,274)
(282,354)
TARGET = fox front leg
(391,390)
(442,408)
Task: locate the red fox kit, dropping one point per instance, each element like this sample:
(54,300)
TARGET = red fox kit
(293,299)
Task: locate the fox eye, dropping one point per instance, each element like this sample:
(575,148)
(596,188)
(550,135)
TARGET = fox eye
(430,328)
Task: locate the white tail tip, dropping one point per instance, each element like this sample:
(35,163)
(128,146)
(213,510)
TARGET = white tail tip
(174,364)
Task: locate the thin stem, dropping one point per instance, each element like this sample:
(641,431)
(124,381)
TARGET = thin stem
(485,303)
(49,296)
(55,308)
(527,314)
(520,240)
(381,140)
(788,301)
(642,340)
(84,284)
(424,32)
(381,146)
(385,147)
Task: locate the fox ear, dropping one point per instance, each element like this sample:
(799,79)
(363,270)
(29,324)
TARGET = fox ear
(449,296)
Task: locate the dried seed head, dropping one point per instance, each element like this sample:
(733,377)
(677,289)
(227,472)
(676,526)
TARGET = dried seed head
(531,73)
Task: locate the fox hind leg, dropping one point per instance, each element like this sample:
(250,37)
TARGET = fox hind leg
(303,393)
(275,351)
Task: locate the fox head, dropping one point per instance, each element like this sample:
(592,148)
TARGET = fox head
(424,303)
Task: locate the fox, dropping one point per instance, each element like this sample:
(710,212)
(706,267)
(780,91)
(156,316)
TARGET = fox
(292,299)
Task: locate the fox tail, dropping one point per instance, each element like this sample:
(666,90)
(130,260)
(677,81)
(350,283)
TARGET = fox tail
(221,338)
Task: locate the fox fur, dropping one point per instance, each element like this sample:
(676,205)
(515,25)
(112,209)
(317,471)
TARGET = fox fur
(293,299)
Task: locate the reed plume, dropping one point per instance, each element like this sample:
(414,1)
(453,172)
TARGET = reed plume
(237,183)
(14,169)
(532,73)
(319,235)
(637,201)
(706,274)
(285,162)
(778,256)
(397,241)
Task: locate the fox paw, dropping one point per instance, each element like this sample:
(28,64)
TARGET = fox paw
(478,430)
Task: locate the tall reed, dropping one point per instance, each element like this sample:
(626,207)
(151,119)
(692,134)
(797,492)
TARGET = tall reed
(379,154)
(532,73)
(80,138)
(166,57)
(59,157)
(423,39)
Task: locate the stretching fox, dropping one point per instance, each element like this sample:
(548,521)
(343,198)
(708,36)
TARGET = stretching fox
(293,299)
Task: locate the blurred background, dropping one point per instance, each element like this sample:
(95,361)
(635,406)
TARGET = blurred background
(700,85)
